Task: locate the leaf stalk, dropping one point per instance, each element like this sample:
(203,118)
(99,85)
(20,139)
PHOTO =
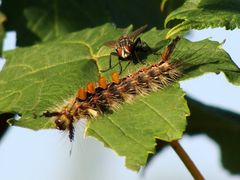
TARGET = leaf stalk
(186,160)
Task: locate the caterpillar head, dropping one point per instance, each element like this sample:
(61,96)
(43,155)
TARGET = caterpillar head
(62,122)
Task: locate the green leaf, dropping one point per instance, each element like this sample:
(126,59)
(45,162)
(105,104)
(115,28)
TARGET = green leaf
(42,77)
(132,130)
(45,76)
(43,20)
(200,14)
(222,126)
(205,56)
(196,58)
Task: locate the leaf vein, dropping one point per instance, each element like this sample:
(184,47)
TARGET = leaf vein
(93,56)
(111,120)
(105,142)
(157,112)
(45,68)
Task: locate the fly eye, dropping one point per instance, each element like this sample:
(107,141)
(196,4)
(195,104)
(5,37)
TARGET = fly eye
(119,50)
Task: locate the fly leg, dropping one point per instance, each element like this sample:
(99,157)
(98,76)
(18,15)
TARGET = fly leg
(110,62)
(136,59)
(139,46)
(127,65)
(134,54)
(120,66)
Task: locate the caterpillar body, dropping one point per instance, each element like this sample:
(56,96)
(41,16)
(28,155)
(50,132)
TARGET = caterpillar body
(93,102)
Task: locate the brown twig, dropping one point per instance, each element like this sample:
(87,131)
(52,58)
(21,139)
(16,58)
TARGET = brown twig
(186,160)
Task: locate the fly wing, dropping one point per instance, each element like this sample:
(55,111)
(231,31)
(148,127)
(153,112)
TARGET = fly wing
(133,35)
(111,44)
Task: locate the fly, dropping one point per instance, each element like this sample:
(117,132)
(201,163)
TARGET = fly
(127,47)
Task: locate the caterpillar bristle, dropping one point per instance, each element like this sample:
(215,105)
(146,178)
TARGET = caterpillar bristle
(92,102)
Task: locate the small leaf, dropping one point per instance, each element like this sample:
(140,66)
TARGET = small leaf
(200,14)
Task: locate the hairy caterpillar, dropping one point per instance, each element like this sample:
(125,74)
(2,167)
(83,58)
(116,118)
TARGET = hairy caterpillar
(93,102)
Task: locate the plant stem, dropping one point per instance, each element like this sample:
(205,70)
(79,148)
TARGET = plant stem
(186,160)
